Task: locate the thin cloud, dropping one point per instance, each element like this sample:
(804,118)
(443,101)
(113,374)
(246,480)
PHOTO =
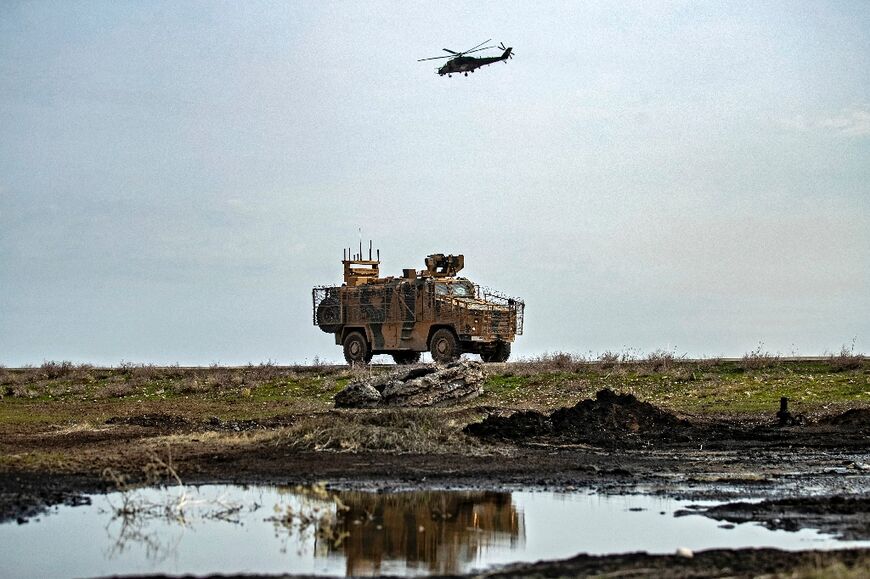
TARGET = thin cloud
(852,122)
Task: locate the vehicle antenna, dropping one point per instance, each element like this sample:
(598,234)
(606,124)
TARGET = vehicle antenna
(370,249)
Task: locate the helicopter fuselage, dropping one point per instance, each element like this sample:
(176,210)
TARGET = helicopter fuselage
(468,64)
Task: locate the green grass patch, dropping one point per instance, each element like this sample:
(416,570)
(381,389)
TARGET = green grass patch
(61,392)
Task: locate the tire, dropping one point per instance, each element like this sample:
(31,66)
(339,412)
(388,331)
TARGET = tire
(406,357)
(444,346)
(498,352)
(328,315)
(356,349)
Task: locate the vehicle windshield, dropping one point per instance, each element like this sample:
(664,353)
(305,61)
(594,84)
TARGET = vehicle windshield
(458,289)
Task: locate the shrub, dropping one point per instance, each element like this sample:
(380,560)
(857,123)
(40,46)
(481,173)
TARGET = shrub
(661,360)
(846,359)
(53,370)
(760,358)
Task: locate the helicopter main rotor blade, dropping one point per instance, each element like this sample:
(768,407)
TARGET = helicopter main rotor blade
(478,50)
(450,51)
(436,57)
(476,47)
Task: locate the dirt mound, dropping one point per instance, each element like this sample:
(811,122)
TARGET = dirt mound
(616,416)
(155,420)
(610,419)
(855,419)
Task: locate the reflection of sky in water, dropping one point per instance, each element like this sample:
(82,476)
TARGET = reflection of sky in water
(420,532)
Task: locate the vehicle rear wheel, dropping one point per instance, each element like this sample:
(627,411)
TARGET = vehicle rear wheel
(356,349)
(444,346)
(498,352)
(406,357)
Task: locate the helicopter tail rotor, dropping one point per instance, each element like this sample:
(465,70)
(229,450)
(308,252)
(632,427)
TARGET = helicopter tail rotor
(508,51)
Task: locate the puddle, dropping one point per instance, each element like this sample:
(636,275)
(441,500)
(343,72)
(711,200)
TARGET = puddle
(232,529)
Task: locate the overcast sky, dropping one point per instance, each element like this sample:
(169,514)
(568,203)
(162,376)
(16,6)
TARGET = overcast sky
(175,177)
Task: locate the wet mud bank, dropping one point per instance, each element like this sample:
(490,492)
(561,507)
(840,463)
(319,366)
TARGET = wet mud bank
(24,496)
(736,563)
(844,517)
(711,563)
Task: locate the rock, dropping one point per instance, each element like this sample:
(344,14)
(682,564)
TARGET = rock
(421,386)
(358,395)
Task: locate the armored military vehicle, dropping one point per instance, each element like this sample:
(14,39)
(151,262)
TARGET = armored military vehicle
(431,309)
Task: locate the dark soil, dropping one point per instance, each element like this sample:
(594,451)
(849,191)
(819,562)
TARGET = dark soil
(844,517)
(179,423)
(856,418)
(151,420)
(621,421)
(617,419)
(712,563)
(610,420)
(24,496)
(732,563)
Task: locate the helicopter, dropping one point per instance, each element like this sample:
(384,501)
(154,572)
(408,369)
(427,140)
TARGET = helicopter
(460,63)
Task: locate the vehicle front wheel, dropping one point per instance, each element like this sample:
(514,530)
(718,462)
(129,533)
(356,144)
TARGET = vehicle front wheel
(402,358)
(444,346)
(356,349)
(498,352)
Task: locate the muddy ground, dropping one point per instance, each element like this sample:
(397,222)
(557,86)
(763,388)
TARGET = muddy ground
(811,471)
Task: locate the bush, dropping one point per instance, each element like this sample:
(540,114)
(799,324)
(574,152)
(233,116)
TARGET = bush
(662,360)
(53,370)
(846,359)
(759,358)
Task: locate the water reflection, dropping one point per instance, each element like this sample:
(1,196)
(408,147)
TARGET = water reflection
(433,531)
(315,531)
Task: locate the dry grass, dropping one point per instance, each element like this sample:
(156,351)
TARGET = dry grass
(832,570)
(759,359)
(115,391)
(555,362)
(18,390)
(607,362)
(846,359)
(662,360)
(397,431)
